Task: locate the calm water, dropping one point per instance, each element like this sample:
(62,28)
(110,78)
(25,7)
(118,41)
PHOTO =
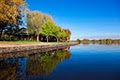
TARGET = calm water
(81,62)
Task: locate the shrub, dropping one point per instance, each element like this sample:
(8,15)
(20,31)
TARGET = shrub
(7,38)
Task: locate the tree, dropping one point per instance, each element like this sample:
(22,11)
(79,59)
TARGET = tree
(35,20)
(56,33)
(60,33)
(9,12)
(68,33)
(48,29)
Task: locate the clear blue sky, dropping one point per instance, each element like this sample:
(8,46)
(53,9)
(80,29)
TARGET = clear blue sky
(85,18)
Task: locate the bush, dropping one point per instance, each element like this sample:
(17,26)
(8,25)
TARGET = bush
(7,38)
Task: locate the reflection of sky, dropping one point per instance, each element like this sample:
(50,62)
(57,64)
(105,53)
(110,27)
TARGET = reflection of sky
(89,62)
(21,73)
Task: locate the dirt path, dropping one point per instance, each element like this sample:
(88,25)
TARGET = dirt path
(14,44)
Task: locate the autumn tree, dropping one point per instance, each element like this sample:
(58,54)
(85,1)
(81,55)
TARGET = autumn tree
(9,12)
(68,33)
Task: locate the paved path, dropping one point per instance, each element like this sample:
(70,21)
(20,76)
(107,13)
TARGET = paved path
(24,44)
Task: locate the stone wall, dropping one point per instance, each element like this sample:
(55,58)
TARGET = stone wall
(35,47)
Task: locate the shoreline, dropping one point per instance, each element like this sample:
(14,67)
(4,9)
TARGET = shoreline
(11,48)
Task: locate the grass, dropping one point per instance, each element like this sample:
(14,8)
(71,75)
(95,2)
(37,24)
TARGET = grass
(25,42)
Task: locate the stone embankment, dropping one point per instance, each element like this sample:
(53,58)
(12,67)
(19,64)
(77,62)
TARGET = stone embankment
(27,47)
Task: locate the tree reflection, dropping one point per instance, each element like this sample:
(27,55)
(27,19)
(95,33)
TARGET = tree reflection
(7,69)
(36,65)
(43,65)
(11,69)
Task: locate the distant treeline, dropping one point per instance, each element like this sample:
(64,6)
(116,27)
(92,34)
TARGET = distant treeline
(100,41)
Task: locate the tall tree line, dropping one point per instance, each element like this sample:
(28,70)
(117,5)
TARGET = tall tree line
(40,23)
(11,14)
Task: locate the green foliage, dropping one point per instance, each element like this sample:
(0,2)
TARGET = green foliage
(6,38)
(61,33)
(48,29)
(42,65)
(39,23)
(35,20)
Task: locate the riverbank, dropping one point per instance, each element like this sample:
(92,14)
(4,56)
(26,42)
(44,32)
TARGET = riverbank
(16,47)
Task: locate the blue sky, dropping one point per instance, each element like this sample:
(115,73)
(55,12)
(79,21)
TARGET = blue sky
(91,19)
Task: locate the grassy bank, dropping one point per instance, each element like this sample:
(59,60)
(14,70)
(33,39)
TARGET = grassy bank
(25,42)
(18,42)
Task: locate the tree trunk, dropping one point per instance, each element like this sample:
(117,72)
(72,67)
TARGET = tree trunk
(28,37)
(37,38)
(47,38)
(57,39)
(41,38)
(1,32)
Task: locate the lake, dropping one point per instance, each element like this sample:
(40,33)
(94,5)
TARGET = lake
(80,62)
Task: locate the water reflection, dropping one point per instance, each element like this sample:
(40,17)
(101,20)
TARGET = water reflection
(12,69)
(87,62)
(32,65)
(45,63)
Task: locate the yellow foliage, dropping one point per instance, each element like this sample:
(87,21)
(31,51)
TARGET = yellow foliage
(9,10)
(48,18)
